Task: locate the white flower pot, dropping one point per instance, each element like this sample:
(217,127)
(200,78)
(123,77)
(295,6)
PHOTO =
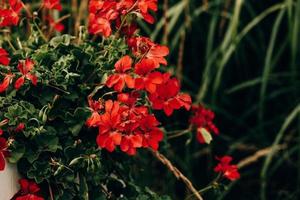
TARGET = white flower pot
(8,182)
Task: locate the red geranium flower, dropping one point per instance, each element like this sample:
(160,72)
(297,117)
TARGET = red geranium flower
(10,16)
(203,118)
(52,4)
(101,15)
(109,124)
(152,134)
(144,7)
(99,25)
(25,68)
(58,26)
(147,80)
(4,57)
(3,153)
(118,80)
(6,81)
(28,190)
(145,48)
(126,125)
(228,171)
(20,127)
(95,107)
(167,96)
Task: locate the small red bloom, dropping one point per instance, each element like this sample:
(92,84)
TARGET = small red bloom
(95,107)
(203,118)
(119,79)
(28,190)
(6,81)
(20,127)
(25,68)
(58,26)
(109,124)
(228,171)
(52,4)
(167,96)
(3,153)
(145,6)
(4,57)
(1,132)
(99,25)
(10,16)
(101,15)
(144,47)
(148,80)
(152,134)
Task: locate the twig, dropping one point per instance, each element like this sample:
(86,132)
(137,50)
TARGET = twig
(223,20)
(165,15)
(205,4)
(82,8)
(50,192)
(180,133)
(258,154)
(177,173)
(179,70)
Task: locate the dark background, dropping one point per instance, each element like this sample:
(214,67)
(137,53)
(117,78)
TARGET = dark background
(256,100)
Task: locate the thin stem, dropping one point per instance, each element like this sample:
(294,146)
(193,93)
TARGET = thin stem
(178,174)
(50,191)
(180,133)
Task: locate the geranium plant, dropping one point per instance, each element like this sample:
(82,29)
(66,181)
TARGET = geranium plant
(76,106)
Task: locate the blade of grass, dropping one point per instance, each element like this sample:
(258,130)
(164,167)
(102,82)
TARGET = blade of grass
(291,117)
(268,66)
(253,23)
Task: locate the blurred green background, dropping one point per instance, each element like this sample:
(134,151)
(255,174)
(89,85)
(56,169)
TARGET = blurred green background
(240,58)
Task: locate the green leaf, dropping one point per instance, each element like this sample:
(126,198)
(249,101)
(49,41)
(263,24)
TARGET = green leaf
(64,40)
(17,152)
(206,135)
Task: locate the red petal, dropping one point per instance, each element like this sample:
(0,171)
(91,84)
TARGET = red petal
(2,162)
(123,64)
(33,78)
(112,80)
(19,82)
(4,85)
(24,183)
(129,81)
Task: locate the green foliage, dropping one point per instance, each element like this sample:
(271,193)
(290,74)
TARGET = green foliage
(56,148)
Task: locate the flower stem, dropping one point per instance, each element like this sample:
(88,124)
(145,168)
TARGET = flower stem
(178,174)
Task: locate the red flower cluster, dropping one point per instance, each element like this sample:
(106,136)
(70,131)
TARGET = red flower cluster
(28,190)
(120,78)
(10,16)
(203,119)
(163,91)
(125,124)
(167,96)
(229,171)
(25,67)
(53,5)
(3,151)
(104,13)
